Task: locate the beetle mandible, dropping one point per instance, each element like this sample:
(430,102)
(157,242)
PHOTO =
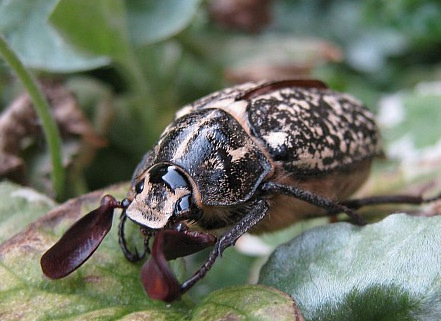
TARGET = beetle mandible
(256,158)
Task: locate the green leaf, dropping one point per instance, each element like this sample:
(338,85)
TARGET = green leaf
(233,268)
(384,271)
(97,27)
(20,206)
(251,302)
(25,26)
(152,21)
(413,115)
(116,24)
(88,34)
(105,287)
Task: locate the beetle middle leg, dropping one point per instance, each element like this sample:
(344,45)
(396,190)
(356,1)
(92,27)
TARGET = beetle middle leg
(389,199)
(314,199)
(257,212)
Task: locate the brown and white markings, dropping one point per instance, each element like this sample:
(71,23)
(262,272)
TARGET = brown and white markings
(255,157)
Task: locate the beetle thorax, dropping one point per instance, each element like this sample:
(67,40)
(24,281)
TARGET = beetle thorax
(161,195)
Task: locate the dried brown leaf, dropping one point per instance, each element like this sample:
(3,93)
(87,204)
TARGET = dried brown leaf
(246,15)
(20,128)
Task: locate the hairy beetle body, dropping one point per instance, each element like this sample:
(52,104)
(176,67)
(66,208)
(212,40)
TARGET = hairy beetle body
(252,158)
(231,141)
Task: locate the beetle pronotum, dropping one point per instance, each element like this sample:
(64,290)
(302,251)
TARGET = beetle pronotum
(256,157)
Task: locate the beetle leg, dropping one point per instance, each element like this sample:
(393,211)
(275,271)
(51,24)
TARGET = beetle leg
(147,244)
(314,199)
(254,216)
(132,257)
(258,210)
(389,199)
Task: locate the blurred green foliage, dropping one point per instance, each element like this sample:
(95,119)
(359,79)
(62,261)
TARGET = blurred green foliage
(154,56)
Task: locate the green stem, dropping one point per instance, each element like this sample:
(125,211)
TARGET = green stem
(42,108)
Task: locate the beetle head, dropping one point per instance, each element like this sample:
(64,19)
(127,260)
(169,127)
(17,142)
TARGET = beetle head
(163,195)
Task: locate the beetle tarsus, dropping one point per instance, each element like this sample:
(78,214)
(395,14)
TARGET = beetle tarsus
(431,199)
(389,199)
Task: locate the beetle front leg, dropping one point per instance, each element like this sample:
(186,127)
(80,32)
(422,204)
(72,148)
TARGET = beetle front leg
(132,257)
(258,210)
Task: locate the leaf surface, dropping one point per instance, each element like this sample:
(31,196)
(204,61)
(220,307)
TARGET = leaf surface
(252,302)
(26,28)
(384,271)
(107,286)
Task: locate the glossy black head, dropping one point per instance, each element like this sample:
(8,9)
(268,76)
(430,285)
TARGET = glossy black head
(163,194)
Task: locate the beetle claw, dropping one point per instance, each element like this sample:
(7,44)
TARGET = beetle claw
(135,256)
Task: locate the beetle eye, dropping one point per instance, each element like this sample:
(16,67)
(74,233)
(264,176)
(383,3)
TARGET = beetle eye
(139,187)
(182,205)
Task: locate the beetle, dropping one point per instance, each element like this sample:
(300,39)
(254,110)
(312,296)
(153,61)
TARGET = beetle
(256,158)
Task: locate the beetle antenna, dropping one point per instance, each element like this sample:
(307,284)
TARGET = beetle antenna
(80,241)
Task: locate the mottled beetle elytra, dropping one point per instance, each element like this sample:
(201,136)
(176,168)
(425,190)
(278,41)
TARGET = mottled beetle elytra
(255,158)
